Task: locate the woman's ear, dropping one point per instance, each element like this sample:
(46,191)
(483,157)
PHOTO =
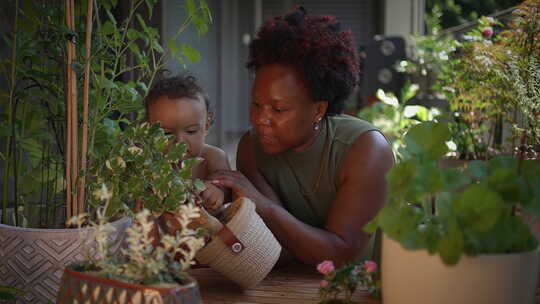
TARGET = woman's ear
(321,107)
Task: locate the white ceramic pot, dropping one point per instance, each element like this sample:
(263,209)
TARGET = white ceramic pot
(415,277)
(33,260)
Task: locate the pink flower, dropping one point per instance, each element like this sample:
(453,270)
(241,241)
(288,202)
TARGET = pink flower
(487,32)
(325,267)
(370,266)
(323,283)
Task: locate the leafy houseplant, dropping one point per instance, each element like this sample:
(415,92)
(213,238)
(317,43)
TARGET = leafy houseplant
(394,117)
(491,84)
(142,164)
(151,273)
(458,212)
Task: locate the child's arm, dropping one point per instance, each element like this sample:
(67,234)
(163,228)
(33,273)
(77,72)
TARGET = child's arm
(214,196)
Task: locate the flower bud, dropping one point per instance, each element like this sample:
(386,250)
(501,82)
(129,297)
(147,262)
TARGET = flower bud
(487,32)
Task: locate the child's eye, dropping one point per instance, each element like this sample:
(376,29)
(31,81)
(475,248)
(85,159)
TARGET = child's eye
(168,133)
(280,110)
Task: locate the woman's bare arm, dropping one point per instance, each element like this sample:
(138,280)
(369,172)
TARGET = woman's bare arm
(362,192)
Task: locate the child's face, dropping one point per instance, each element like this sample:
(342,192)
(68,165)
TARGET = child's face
(185,118)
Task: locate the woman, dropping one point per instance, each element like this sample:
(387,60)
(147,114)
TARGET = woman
(316,176)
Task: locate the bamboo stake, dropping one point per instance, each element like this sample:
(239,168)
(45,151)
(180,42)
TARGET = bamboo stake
(86,93)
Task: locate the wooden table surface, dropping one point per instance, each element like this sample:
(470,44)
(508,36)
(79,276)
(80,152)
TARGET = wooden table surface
(287,285)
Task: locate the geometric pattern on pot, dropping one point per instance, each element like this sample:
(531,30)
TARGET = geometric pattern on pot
(80,287)
(33,260)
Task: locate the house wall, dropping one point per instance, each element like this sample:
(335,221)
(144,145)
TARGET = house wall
(224,48)
(403,17)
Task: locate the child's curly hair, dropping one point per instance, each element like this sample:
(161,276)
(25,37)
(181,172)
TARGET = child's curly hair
(177,87)
(315,45)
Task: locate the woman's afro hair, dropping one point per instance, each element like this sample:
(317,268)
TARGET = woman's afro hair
(317,46)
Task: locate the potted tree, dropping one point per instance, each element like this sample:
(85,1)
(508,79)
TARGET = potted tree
(151,267)
(50,148)
(452,235)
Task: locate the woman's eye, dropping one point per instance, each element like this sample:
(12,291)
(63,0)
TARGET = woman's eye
(280,110)
(167,133)
(192,131)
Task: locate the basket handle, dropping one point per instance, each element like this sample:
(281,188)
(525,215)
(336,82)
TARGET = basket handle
(231,241)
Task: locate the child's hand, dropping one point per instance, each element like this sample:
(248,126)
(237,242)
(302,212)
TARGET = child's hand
(213,198)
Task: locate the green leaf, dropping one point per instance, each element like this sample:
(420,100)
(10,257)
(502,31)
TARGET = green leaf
(108,28)
(111,17)
(427,140)
(9,293)
(34,149)
(191,53)
(199,185)
(173,47)
(401,181)
(477,169)
(451,245)
(479,207)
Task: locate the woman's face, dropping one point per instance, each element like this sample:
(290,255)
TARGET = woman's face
(282,111)
(184,118)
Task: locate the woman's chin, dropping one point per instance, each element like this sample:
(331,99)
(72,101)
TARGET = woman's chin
(270,149)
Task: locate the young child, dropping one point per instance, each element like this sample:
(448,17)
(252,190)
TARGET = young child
(182,109)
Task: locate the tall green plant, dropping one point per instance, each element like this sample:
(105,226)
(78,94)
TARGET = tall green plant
(33,124)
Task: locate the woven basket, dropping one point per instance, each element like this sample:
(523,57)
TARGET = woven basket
(246,256)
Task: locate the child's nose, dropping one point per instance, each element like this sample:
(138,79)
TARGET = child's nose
(178,138)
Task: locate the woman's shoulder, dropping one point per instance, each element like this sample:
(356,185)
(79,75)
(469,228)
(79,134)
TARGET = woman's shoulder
(346,128)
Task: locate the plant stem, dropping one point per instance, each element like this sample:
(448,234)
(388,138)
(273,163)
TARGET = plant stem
(86,93)
(10,113)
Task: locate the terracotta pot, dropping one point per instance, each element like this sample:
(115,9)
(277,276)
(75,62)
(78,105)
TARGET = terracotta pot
(85,288)
(33,260)
(415,277)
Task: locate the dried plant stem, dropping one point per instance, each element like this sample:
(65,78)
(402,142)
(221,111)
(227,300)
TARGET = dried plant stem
(71,116)
(86,93)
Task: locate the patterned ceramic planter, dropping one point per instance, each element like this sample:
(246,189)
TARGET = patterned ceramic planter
(85,288)
(33,260)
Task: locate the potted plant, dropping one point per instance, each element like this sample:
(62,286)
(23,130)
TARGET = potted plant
(50,148)
(453,235)
(140,273)
(142,164)
(491,85)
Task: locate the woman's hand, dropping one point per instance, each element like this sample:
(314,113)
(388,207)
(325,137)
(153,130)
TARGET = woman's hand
(240,186)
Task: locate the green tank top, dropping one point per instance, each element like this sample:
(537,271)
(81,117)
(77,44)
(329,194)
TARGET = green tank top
(307,181)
